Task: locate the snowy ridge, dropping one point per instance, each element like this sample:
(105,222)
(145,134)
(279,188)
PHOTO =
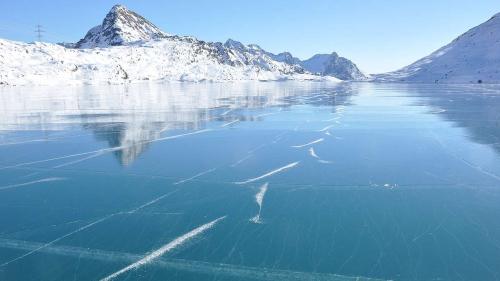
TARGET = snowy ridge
(473,57)
(170,59)
(254,55)
(128,48)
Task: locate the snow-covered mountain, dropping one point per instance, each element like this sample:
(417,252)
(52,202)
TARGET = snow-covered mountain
(126,48)
(120,26)
(253,55)
(324,65)
(333,65)
(473,57)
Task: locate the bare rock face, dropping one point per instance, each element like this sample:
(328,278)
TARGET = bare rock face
(120,27)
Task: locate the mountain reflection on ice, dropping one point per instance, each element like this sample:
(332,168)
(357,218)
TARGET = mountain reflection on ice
(132,116)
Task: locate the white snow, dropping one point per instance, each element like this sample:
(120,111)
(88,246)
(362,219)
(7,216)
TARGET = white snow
(259,199)
(126,48)
(168,59)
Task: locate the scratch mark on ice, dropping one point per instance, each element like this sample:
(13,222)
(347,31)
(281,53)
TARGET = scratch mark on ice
(26,141)
(227,112)
(313,153)
(231,272)
(289,166)
(230,123)
(103,150)
(151,202)
(102,219)
(5,187)
(79,160)
(265,114)
(242,160)
(332,119)
(195,176)
(164,249)
(308,144)
(326,128)
(57,240)
(181,135)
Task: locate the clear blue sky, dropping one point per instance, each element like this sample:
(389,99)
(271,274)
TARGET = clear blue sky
(377,35)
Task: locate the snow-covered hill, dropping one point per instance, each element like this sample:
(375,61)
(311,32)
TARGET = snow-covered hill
(333,65)
(127,48)
(474,57)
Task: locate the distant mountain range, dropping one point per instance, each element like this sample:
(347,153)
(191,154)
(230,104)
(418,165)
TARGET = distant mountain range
(473,57)
(126,47)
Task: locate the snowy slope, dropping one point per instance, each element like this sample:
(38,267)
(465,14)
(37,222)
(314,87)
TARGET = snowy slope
(169,59)
(474,57)
(333,65)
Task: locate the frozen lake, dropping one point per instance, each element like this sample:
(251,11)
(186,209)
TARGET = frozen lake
(250,181)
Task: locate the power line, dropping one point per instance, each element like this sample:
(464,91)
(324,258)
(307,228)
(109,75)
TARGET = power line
(39,32)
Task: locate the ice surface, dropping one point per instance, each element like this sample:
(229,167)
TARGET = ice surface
(410,190)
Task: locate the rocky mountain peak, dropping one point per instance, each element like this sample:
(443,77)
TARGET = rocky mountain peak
(121,26)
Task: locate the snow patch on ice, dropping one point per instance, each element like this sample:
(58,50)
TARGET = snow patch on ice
(259,198)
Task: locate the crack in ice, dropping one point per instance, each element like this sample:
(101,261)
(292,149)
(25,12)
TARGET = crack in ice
(104,150)
(5,187)
(43,246)
(309,144)
(195,176)
(164,249)
(289,166)
(230,123)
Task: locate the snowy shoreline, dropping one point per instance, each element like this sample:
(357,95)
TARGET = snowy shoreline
(159,61)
